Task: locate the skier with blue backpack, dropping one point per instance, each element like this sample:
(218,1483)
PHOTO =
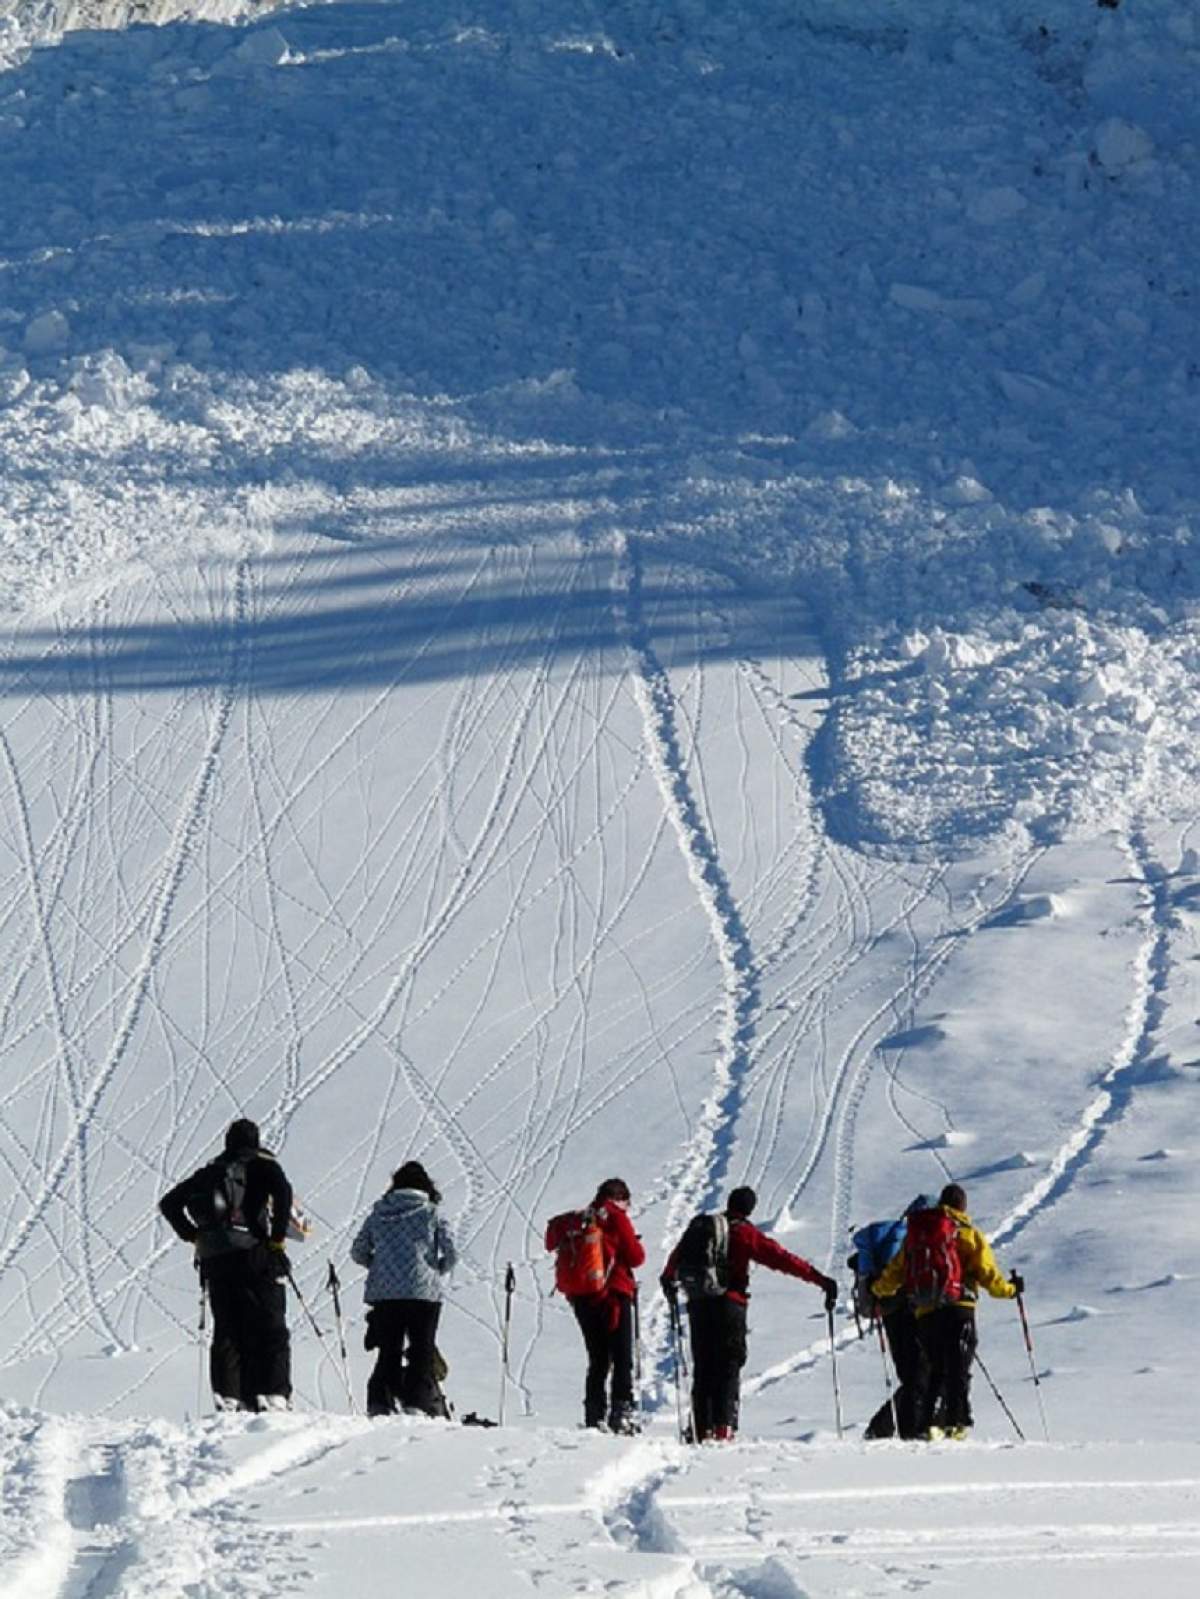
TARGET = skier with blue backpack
(892,1319)
(942,1264)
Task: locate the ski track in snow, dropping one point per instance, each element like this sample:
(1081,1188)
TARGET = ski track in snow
(1118,1083)
(175,864)
(99,1510)
(696,1178)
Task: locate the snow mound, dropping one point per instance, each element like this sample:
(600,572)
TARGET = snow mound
(1029,908)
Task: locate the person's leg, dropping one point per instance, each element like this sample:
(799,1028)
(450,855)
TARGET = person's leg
(224,1357)
(385,1330)
(731,1357)
(266,1349)
(927,1385)
(421,1391)
(959,1358)
(705,1365)
(907,1357)
(593,1324)
(622,1411)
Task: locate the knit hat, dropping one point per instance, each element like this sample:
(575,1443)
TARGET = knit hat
(741,1202)
(242,1134)
(413,1175)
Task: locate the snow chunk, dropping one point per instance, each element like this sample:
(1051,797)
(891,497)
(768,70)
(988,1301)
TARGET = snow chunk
(266,48)
(106,382)
(47,333)
(1029,908)
(831,425)
(948,652)
(954,1138)
(1121,145)
(965,490)
(1081,1313)
(997,205)
(914,298)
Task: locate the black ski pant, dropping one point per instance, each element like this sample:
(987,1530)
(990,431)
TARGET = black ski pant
(250,1358)
(404,1331)
(718,1355)
(900,1330)
(606,1323)
(947,1338)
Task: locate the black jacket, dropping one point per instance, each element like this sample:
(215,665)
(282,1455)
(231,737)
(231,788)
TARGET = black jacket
(266,1206)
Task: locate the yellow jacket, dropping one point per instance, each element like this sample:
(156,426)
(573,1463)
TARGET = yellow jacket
(979,1268)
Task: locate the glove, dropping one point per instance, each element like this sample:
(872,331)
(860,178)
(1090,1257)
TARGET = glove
(831,1292)
(1018,1282)
(669,1287)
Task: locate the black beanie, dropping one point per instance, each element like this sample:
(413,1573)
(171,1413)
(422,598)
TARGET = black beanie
(242,1134)
(413,1175)
(742,1202)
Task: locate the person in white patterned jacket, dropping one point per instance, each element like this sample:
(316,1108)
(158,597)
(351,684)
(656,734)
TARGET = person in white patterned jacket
(408,1251)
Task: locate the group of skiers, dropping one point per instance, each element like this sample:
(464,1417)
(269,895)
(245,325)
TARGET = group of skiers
(917,1279)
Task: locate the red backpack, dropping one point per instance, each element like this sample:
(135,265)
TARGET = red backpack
(580,1268)
(932,1267)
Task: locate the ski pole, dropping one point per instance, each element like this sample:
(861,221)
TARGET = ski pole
(333,1282)
(1037,1381)
(637,1352)
(316,1326)
(887,1375)
(200,1342)
(510,1283)
(999,1396)
(837,1387)
(677,1346)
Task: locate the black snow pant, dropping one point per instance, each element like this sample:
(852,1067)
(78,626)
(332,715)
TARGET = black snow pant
(947,1338)
(606,1323)
(900,1330)
(718,1355)
(250,1358)
(404,1331)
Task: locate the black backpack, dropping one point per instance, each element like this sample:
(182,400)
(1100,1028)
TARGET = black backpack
(216,1203)
(702,1258)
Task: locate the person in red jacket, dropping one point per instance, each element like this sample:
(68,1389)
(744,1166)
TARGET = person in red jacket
(606,1317)
(718,1322)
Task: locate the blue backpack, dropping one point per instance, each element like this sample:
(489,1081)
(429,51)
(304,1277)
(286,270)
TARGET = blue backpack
(874,1246)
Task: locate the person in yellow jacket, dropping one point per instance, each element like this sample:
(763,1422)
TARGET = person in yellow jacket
(946,1331)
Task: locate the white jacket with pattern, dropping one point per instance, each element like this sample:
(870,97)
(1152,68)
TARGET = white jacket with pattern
(406,1247)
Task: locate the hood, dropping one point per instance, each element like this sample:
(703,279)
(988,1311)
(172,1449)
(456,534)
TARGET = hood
(960,1216)
(404,1202)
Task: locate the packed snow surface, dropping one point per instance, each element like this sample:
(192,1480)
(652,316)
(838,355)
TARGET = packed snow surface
(595,588)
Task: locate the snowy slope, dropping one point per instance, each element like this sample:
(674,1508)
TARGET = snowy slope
(599,588)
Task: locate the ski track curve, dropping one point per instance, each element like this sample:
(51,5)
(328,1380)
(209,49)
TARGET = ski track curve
(1118,1084)
(698,1172)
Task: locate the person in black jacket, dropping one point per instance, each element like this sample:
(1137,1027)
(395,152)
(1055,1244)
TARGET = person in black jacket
(236,1211)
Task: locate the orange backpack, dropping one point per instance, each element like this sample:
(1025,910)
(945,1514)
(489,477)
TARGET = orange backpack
(580,1269)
